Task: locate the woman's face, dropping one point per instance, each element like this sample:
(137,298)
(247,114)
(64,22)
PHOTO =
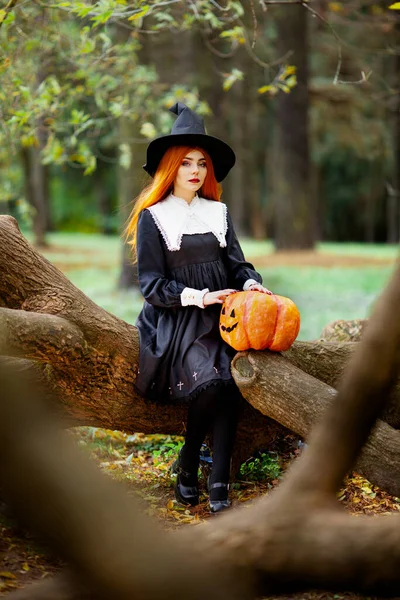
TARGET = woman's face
(191,175)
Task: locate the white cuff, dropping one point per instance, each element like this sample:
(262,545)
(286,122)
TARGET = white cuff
(249,283)
(191,297)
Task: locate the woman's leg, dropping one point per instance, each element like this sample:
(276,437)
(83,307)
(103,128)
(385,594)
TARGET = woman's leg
(202,410)
(223,433)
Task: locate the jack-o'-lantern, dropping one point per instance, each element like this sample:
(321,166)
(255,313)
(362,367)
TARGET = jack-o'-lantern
(259,321)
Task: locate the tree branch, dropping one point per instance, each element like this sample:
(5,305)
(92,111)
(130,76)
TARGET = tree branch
(40,337)
(327,362)
(298,401)
(362,394)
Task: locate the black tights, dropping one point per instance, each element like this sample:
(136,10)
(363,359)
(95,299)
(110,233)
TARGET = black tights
(215,409)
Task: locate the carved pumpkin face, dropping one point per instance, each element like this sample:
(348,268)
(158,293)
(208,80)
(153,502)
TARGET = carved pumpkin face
(259,321)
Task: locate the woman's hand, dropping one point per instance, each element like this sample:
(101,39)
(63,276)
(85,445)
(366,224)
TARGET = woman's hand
(217,297)
(257,287)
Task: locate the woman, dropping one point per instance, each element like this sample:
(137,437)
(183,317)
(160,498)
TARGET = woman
(189,261)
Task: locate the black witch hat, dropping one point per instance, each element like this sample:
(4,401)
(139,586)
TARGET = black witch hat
(189,130)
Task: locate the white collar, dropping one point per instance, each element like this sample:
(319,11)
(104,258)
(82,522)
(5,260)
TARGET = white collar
(182,201)
(172,214)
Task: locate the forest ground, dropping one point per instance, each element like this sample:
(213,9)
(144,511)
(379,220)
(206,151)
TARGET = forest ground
(143,462)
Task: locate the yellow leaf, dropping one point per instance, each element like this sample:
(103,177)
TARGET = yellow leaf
(77,158)
(170,505)
(25,567)
(140,14)
(3,15)
(290,69)
(335,6)
(29,140)
(395,6)
(267,88)
(7,575)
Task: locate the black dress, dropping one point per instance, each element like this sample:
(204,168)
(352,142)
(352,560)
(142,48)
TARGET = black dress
(181,350)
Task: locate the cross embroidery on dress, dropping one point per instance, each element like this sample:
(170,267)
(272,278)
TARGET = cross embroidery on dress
(195,375)
(179,385)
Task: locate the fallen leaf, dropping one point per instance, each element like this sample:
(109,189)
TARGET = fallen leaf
(7,575)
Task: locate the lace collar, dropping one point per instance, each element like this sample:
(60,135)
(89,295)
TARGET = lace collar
(174,216)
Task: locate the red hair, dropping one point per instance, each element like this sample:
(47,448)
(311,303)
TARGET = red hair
(163,183)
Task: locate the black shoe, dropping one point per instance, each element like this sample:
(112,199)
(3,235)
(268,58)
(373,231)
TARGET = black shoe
(185,494)
(222,503)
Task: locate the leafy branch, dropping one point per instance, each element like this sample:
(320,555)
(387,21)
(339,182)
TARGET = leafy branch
(4,12)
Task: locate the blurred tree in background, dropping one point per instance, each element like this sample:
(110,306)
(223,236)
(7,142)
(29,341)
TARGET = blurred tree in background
(307,94)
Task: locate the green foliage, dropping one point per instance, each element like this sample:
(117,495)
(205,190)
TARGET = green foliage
(266,466)
(168,450)
(72,77)
(75,80)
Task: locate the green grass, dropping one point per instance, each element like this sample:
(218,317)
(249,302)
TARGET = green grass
(325,295)
(91,262)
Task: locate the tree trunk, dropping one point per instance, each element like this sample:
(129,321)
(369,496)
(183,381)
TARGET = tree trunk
(294,203)
(239,138)
(393,115)
(36,192)
(104,198)
(129,180)
(396,142)
(91,358)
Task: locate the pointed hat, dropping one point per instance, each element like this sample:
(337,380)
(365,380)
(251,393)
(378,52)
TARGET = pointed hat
(189,130)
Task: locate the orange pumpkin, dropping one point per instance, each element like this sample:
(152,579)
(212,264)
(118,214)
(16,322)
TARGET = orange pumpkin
(259,321)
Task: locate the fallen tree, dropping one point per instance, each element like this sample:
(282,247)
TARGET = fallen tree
(295,538)
(90,358)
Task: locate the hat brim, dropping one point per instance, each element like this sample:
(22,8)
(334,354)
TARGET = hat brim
(222,155)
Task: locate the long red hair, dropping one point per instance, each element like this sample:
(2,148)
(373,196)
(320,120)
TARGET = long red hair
(162,185)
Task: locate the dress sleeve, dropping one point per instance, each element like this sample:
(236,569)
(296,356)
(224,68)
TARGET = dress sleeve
(239,270)
(154,285)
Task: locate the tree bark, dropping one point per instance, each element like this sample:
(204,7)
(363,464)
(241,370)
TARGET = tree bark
(285,393)
(396,140)
(36,192)
(294,204)
(238,118)
(130,181)
(327,362)
(128,189)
